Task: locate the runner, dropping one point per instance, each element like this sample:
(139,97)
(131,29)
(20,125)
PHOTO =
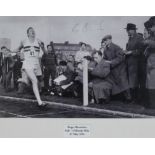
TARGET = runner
(31,64)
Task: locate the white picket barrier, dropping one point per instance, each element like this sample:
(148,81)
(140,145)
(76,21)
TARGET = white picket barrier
(85,82)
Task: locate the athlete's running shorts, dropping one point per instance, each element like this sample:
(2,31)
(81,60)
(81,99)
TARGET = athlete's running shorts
(32,65)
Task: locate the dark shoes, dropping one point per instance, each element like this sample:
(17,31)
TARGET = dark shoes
(42,106)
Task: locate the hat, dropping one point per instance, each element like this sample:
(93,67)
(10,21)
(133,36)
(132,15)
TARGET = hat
(152,18)
(106,37)
(152,21)
(131,26)
(148,24)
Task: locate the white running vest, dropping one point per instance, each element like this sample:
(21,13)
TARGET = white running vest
(31,50)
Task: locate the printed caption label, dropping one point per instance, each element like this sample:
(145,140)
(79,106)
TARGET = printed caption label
(77,130)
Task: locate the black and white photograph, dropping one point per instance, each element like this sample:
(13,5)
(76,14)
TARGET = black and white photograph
(77,67)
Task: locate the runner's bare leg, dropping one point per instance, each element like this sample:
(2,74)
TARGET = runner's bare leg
(34,81)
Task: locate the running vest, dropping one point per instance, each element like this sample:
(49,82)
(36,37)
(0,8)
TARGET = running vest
(31,50)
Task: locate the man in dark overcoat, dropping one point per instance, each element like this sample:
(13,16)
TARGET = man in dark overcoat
(150,56)
(49,61)
(116,58)
(136,63)
(101,82)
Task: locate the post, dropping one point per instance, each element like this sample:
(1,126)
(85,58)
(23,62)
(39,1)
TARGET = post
(85,82)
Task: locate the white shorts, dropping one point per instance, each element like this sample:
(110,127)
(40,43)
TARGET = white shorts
(32,65)
(24,78)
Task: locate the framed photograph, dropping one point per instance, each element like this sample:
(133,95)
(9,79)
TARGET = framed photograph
(76,73)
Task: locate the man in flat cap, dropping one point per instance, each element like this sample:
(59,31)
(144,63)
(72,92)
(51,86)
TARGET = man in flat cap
(114,55)
(135,62)
(106,38)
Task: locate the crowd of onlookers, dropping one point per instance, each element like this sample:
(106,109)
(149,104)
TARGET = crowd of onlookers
(112,72)
(10,68)
(57,79)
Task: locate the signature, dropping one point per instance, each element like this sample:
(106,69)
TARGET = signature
(84,27)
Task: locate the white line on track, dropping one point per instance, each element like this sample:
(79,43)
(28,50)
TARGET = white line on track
(51,113)
(10,113)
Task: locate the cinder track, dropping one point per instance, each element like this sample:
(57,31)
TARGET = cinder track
(26,108)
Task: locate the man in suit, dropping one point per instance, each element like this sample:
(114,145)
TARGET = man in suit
(135,61)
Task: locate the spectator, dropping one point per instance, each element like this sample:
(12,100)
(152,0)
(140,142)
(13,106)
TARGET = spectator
(17,70)
(7,68)
(135,61)
(64,81)
(81,54)
(150,55)
(101,79)
(49,63)
(1,63)
(114,55)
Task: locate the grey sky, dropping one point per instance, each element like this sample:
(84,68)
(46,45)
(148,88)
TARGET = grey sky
(73,29)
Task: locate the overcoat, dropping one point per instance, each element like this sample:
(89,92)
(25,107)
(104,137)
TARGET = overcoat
(101,80)
(135,61)
(115,55)
(150,69)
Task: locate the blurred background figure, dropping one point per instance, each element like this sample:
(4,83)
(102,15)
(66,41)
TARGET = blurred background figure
(79,56)
(1,64)
(49,62)
(149,42)
(17,70)
(103,46)
(8,63)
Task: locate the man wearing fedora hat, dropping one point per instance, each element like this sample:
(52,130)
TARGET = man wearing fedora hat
(135,61)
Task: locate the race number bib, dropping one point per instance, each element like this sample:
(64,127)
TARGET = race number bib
(32,51)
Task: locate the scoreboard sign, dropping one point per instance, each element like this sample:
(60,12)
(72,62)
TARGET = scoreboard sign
(63,50)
